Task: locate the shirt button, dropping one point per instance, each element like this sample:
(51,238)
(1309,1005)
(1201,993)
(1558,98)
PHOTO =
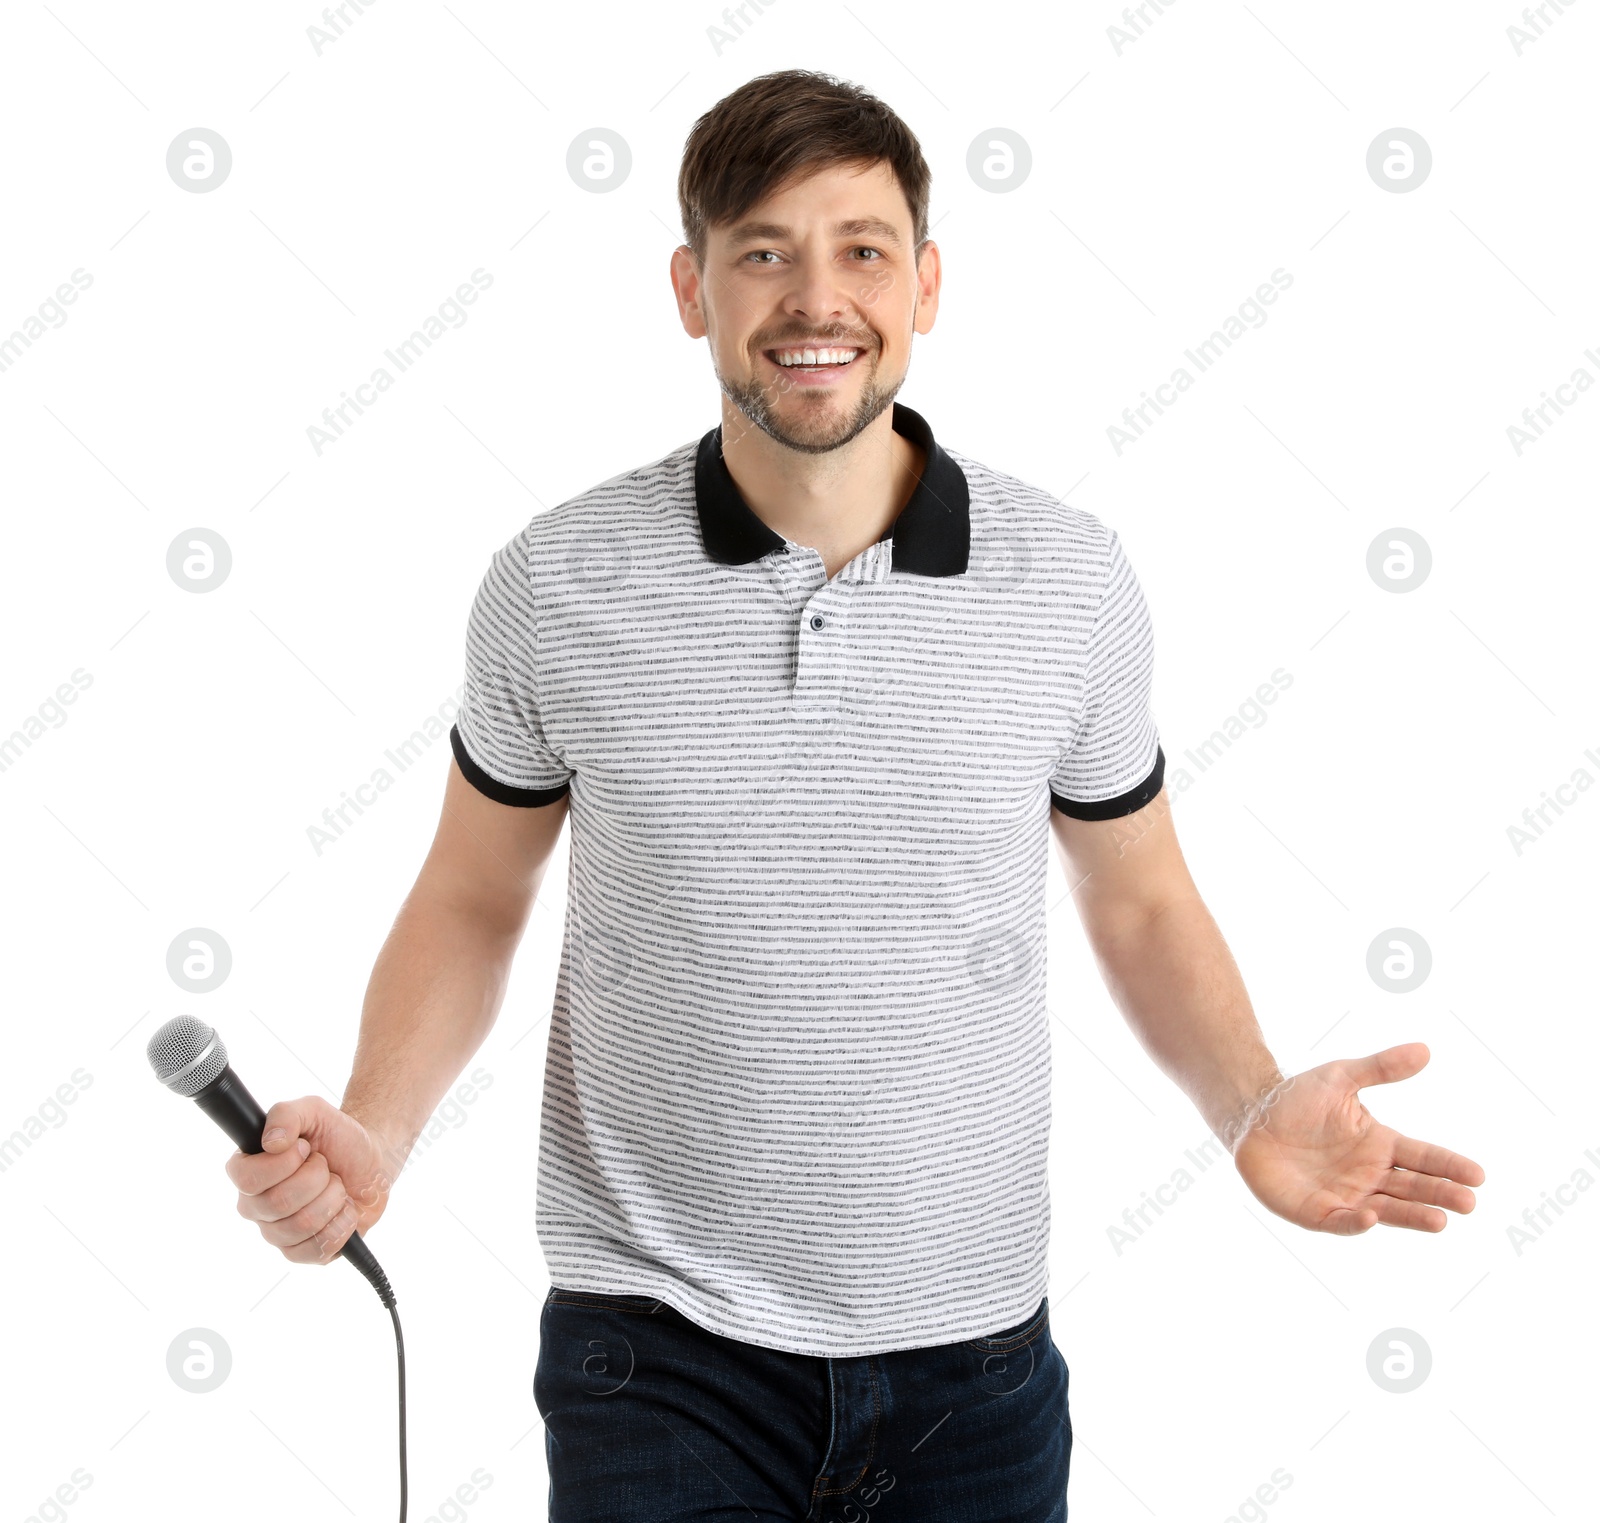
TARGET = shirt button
(817,621)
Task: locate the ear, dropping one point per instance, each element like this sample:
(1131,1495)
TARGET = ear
(928,278)
(688,287)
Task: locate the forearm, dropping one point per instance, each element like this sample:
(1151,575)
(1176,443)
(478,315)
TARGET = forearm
(435,991)
(1176,983)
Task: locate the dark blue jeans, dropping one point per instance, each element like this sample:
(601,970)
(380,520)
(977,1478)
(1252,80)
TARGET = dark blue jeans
(649,1418)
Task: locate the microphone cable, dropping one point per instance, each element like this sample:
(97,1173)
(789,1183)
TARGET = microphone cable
(370,1268)
(400,1355)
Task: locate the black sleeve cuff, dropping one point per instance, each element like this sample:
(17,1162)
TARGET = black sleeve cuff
(1123,803)
(501,793)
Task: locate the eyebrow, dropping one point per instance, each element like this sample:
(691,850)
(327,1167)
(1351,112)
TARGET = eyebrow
(774,232)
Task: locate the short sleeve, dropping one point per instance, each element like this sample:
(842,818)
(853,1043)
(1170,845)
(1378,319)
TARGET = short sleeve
(1114,763)
(498,737)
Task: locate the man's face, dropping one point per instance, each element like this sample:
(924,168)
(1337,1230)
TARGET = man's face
(823,263)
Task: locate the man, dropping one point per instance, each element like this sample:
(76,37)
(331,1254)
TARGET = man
(811,687)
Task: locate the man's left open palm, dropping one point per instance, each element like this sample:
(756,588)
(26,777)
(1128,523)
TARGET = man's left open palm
(1319,1158)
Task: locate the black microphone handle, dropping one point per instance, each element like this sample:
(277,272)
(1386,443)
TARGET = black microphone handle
(237,1112)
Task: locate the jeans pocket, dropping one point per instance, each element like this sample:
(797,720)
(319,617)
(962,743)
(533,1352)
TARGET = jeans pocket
(1016,1337)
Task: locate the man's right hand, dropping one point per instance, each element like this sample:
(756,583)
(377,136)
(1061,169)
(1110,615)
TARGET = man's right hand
(323,1178)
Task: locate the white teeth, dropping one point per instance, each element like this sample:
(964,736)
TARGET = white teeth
(815,356)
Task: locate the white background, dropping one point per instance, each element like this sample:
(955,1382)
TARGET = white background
(1168,181)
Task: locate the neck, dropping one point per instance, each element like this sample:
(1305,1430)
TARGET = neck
(838,502)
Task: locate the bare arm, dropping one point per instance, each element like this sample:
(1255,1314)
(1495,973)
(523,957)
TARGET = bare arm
(1306,1146)
(1164,961)
(441,975)
(436,988)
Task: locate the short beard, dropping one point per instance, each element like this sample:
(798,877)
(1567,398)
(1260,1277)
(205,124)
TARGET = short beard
(755,400)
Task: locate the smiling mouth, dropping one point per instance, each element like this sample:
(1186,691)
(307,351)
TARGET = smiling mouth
(812,359)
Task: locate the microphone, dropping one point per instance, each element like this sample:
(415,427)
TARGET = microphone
(191,1060)
(189,1057)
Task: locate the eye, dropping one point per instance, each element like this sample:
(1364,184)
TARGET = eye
(761,255)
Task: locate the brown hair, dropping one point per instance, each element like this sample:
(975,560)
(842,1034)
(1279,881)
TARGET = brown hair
(763,134)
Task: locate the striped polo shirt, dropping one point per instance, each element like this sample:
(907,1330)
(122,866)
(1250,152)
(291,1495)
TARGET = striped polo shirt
(797,1082)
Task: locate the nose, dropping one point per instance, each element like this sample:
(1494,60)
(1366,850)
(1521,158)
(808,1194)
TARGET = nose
(821,297)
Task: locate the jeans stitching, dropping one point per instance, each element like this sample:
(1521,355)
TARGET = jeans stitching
(817,1491)
(872,1439)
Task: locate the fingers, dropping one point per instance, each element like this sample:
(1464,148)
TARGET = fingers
(293,1118)
(1347,1223)
(289,1190)
(304,1234)
(1408,1213)
(289,1194)
(309,1215)
(251,1173)
(1386,1067)
(286,1124)
(325,1244)
(1427,1158)
(1325,1211)
(1404,1184)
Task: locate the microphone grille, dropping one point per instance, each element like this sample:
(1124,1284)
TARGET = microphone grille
(186,1054)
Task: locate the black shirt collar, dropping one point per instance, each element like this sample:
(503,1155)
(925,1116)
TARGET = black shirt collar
(931,535)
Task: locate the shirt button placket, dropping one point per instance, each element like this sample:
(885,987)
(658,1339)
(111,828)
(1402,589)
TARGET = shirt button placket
(816,684)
